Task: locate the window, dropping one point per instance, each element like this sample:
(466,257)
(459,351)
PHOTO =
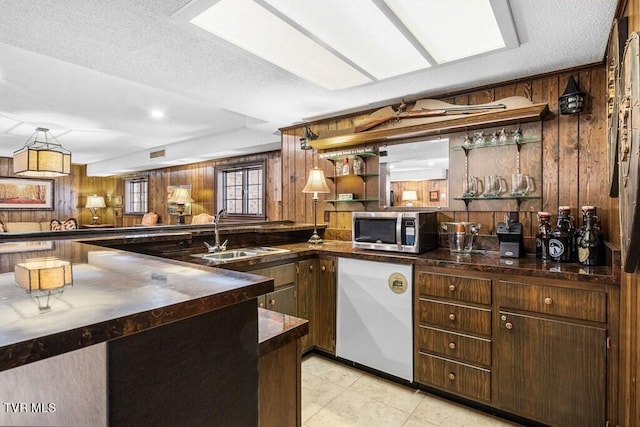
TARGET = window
(241,189)
(136,195)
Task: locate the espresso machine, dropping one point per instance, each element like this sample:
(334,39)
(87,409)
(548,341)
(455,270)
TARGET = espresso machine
(510,237)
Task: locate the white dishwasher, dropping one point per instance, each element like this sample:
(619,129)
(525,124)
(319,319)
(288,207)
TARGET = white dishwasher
(374,315)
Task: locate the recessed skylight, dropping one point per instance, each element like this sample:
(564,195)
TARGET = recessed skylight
(359,31)
(253,28)
(452,29)
(339,44)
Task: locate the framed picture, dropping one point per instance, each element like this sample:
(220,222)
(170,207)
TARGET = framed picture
(434,196)
(25,193)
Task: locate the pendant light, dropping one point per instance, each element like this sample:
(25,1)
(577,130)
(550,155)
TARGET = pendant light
(42,156)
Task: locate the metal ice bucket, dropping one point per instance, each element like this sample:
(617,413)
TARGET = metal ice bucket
(461,235)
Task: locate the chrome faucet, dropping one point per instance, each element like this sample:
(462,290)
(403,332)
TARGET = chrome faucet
(217,247)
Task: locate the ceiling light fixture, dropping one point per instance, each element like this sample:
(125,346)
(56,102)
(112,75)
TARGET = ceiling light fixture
(157,114)
(42,157)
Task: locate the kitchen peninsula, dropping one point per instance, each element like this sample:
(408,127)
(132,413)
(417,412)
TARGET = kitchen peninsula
(133,339)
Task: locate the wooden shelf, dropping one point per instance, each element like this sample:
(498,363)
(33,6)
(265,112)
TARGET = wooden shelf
(423,127)
(475,146)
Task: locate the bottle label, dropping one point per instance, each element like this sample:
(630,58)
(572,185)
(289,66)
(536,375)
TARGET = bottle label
(583,254)
(556,248)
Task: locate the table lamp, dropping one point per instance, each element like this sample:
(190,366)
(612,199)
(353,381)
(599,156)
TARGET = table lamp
(315,184)
(94,203)
(180,197)
(409,196)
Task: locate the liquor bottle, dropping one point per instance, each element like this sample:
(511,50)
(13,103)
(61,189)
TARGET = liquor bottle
(562,241)
(345,167)
(590,242)
(543,236)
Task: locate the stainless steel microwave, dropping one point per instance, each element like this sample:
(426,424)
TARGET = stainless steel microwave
(412,232)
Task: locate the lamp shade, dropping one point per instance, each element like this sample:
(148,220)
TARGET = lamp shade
(42,157)
(409,196)
(180,196)
(95,201)
(316,182)
(44,274)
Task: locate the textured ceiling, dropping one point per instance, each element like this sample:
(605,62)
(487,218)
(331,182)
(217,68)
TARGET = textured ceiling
(91,71)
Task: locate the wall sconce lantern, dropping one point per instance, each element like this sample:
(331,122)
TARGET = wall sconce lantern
(42,158)
(316,184)
(572,100)
(307,135)
(409,196)
(43,277)
(94,203)
(180,197)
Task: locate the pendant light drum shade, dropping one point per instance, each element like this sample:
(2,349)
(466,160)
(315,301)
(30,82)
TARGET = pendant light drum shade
(42,158)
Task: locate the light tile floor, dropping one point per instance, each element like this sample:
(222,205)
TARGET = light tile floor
(336,395)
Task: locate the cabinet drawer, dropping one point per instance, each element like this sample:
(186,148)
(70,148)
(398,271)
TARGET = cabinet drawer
(575,303)
(283,274)
(455,287)
(464,347)
(454,377)
(456,317)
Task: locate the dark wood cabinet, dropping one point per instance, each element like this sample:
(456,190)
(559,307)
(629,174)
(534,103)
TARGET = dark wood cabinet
(326,305)
(550,353)
(550,370)
(453,333)
(283,298)
(537,348)
(307,279)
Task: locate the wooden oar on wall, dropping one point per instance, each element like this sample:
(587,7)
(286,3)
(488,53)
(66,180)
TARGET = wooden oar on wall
(426,112)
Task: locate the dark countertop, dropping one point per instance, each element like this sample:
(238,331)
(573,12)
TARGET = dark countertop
(126,234)
(277,329)
(115,293)
(485,261)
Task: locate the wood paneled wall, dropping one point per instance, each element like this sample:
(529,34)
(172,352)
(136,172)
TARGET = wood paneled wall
(70,196)
(201,177)
(629,397)
(70,193)
(573,155)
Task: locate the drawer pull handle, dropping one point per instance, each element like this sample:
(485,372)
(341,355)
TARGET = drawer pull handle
(272,302)
(508,325)
(548,301)
(452,376)
(452,345)
(311,268)
(323,268)
(261,305)
(452,316)
(452,287)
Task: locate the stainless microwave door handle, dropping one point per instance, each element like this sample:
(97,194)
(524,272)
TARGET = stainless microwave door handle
(399,232)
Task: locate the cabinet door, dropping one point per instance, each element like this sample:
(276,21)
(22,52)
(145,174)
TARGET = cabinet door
(307,285)
(550,370)
(326,299)
(282,300)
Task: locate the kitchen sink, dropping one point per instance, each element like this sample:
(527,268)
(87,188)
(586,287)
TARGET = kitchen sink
(238,254)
